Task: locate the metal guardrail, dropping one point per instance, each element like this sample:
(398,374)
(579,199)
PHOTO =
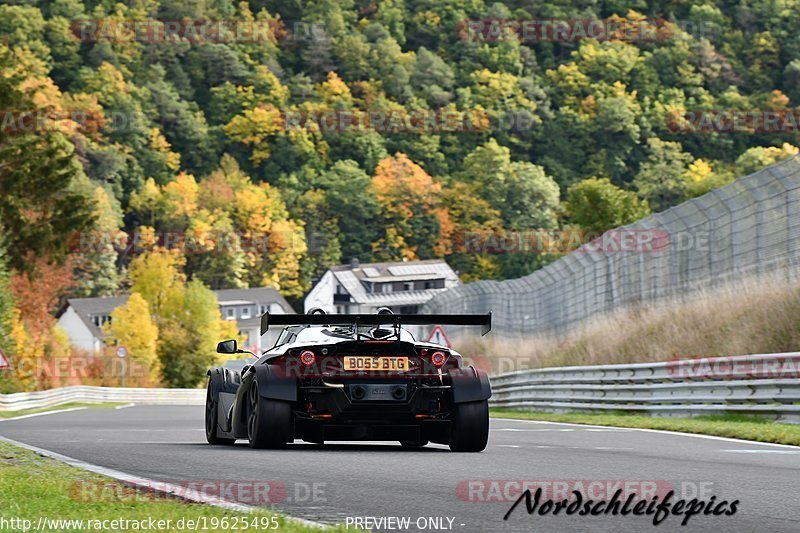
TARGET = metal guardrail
(766,385)
(53,397)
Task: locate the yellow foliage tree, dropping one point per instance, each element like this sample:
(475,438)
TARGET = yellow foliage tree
(255,127)
(181,196)
(132,326)
(24,355)
(160,144)
(158,277)
(335,91)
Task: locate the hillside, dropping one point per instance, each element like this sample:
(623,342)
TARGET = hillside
(230,144)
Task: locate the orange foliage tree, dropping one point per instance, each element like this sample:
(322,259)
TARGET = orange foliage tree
(417,221)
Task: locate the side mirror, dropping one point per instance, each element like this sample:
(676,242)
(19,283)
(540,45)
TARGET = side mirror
(228,347)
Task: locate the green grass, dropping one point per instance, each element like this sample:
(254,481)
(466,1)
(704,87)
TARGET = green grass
(12,414)
(733,426)
(32,486)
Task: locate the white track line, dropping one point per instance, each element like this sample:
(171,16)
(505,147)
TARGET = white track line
(147,484)
(763,451)
(663,431)
(43,413)
(124,406)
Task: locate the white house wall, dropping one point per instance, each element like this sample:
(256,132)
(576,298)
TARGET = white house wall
(322,294)
(79,334)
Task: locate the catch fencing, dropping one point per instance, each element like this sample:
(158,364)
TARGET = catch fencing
(81,394)
(765,385)
(748,227)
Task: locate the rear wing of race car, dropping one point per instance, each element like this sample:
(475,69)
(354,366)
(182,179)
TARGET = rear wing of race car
(485,321)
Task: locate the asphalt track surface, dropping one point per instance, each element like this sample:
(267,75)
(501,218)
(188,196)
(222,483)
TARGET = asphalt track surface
(384,480)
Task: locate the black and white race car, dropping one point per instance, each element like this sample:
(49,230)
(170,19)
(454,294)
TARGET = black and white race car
(351,377)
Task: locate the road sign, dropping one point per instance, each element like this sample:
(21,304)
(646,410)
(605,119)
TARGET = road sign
(3,361)
(437,336)
(122,353)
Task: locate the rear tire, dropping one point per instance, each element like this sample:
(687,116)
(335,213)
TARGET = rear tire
(269,422)
(470,429)
(212,418)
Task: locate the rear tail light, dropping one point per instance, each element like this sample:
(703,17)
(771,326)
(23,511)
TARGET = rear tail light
(438,359)
(307,357)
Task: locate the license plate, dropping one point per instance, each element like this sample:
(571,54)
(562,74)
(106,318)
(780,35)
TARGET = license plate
(370,364)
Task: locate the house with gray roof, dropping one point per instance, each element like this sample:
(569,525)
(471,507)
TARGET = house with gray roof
(364,288)
(83,318)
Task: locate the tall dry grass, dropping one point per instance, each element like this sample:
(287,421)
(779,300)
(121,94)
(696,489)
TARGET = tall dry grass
(761,315)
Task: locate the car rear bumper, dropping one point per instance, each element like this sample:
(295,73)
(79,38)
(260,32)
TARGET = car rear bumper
(358,410)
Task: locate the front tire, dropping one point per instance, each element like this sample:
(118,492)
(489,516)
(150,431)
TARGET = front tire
(269,422)
(212,418)
(470,429)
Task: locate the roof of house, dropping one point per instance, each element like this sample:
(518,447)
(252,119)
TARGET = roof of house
(86,308)
(253,295)
(352,276)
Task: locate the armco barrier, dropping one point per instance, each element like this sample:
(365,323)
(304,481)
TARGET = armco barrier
(766,385)
(53,397)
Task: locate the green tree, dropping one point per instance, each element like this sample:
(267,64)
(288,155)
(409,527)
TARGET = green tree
(660,179)
(758,157)
(348,191)
(96,257)
(522,192)
(188,348)
(599,205)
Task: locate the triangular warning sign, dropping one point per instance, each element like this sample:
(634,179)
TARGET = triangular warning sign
(437,336)
(3,361)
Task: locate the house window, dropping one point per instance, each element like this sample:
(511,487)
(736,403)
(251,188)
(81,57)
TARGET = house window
(408,286)
(230,313)
(262,309)
(428,284)
(100,320)
(245,312)
(386,287)
(338,309)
